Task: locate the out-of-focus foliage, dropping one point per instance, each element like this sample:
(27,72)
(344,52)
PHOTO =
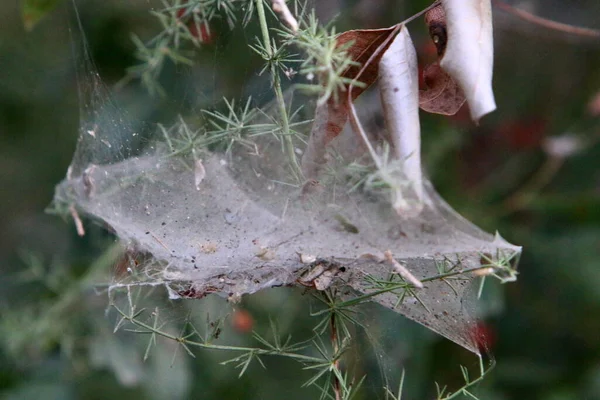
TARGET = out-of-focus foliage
(34,10)
(56,340)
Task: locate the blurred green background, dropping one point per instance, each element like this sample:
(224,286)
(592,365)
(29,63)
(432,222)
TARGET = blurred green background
(56,339)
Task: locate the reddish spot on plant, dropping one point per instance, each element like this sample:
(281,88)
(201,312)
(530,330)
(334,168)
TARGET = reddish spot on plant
(242,321)
(524,134)
(201,31)
(428,50)
(484,336)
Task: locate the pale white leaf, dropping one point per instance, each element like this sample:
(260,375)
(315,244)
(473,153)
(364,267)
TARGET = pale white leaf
(399,86)
(469,56)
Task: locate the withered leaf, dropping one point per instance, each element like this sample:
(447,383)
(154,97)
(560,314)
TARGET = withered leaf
(435,19)
(365,43)
(442,95)
(331,116)
(469,54)
(329,121)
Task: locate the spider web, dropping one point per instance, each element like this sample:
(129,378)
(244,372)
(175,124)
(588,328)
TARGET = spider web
(227,215)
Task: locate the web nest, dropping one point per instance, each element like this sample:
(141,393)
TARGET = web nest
(223,212)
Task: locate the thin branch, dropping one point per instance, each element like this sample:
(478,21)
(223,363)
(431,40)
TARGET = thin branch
(281,8)
(402,270)
(546,23)
(160,242)
(151,329)
(417,15)
(336,363)
(77,220)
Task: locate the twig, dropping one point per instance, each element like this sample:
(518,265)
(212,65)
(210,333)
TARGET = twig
(401,269)
(199,173)
(160,242)
(185,340)
(78,223)
(546,23)
(281,8)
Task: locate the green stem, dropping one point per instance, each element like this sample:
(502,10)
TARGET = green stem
(183,340)
(527,193)
(263,26)
(335,344)
(405,286)
(285,124)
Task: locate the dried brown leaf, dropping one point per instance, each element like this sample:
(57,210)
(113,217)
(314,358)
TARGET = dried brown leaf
(365,43)
(435,19)
(331,117)
(442,94)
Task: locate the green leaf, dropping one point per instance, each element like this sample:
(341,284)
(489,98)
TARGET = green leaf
(34,10)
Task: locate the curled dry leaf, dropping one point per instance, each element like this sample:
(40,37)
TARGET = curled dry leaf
(331,116)
(441,95)
(399,86)
(469,54)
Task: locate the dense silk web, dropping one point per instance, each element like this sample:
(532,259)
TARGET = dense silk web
(221,211)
